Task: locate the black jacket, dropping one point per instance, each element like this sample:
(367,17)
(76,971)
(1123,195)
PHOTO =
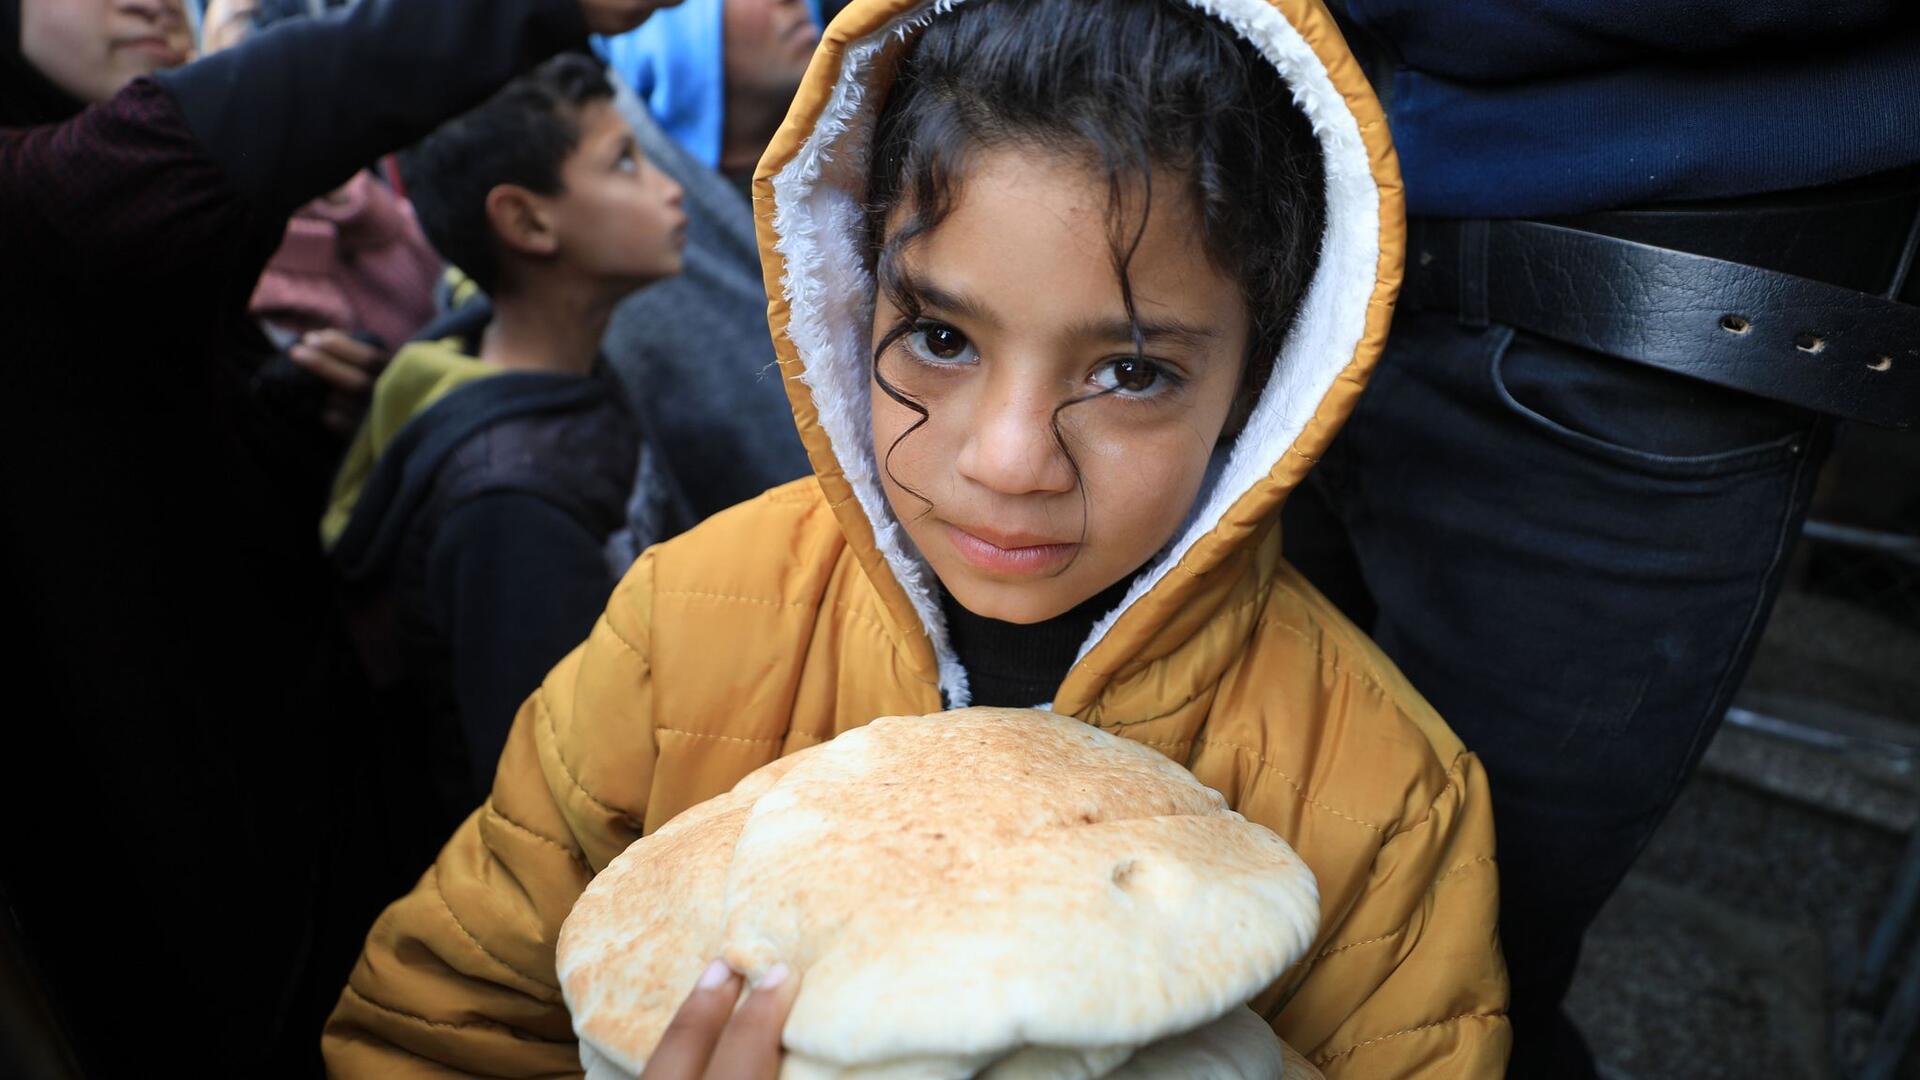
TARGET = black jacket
(475,558)
(175,753)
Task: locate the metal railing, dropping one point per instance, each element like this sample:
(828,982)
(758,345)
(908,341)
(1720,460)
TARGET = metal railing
(1881,570)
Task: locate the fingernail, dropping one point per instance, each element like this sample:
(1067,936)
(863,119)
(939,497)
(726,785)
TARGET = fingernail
(716,973)
(775,975)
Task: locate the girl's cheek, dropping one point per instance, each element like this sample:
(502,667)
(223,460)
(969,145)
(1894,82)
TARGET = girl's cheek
(892,445)
(1169,462)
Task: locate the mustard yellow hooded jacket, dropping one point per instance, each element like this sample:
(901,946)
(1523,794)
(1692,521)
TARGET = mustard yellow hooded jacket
(805,612)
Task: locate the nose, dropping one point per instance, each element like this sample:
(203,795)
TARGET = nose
(674,191)
(1011,446)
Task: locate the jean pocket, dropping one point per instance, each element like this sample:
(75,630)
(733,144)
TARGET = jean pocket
(1640,418)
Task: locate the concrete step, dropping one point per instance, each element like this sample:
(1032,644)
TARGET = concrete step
(1843,761)
(1717,956)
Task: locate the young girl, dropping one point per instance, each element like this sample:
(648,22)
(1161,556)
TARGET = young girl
(1069,294)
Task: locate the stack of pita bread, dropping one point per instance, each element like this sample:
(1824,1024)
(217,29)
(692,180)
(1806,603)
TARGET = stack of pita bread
(986,892)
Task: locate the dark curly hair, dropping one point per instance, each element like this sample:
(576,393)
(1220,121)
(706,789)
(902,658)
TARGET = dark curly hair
(1128,85)
(522,135)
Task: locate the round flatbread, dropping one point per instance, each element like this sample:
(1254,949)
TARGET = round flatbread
(1007,893)
(1236,1046)
(647,925)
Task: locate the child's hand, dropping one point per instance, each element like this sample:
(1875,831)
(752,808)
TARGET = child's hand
(619,16)
(710,1038)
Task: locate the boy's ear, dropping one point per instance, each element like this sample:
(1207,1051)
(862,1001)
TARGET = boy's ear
(522,221)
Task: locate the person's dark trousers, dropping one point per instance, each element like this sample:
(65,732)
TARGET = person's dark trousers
(1572,557)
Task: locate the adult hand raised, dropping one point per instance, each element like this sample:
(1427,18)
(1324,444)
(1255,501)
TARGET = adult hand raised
(709,1038)
(619,16)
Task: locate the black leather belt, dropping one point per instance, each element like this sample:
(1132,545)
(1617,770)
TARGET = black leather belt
(1788,299)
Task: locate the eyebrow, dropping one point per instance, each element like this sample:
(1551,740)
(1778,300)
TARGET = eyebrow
(1163,330)
(953,303)
(1107,329)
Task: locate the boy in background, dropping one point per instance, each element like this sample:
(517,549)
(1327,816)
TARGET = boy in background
(469,520)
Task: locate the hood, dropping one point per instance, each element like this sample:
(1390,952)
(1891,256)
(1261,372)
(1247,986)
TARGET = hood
(417,378)
(27,99)
(807,197)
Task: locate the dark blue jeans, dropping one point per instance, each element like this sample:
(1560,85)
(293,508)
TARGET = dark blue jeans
(1572,557)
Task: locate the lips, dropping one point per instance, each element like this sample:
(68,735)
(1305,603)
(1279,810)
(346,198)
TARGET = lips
(159,48)
(1010,554)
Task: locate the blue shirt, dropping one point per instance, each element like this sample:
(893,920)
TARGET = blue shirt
(1526,108)
(676,62)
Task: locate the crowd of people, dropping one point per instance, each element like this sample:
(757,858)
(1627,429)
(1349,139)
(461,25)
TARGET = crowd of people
(443,442)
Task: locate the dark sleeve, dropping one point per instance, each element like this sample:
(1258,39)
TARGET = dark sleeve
(293,112)
(121,191)
(515,583)
(210,159)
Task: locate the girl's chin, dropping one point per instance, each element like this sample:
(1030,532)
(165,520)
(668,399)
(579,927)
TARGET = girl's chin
(1020,603)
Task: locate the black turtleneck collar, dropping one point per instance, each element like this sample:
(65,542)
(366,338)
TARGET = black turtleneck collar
(1019,666)
(27,99)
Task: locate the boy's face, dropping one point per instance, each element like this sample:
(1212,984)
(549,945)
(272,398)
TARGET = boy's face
(1022,313)
(617,217)
(92,48)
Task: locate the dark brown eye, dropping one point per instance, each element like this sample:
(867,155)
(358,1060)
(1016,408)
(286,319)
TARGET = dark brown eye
(938,343)
(1133,375)
(945,342)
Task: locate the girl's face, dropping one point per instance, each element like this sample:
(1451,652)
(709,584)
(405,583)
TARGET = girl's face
(1022,312)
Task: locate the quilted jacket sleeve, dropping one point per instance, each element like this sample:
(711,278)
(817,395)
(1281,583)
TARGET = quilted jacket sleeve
(457,977)
(1412,983)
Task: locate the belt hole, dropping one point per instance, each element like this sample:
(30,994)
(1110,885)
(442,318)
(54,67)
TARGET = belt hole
(1809,343)
(1735,324)
(1884,363)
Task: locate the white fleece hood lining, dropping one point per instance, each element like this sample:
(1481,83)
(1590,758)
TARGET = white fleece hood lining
(817,220)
